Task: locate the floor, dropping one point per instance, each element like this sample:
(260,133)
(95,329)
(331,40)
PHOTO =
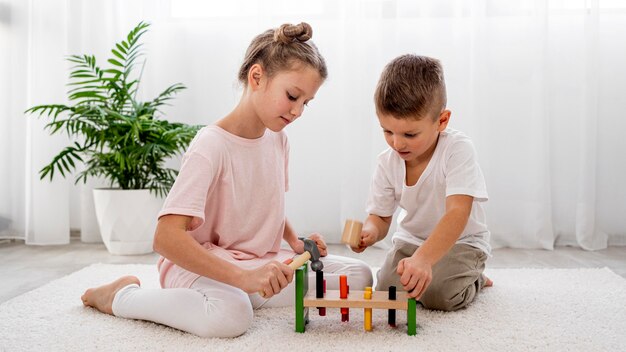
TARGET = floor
(24,268)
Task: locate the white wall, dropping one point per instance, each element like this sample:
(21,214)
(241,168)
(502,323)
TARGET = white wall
(538,85)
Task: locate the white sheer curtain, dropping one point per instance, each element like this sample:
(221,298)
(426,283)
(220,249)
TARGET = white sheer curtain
(32,65)
(538,85)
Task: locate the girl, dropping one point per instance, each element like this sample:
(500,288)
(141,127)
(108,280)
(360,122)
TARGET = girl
(220,228)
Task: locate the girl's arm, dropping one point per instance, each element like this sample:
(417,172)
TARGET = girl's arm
(172,241)
(291,237)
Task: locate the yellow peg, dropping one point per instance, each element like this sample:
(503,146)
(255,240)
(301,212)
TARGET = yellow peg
(367,316)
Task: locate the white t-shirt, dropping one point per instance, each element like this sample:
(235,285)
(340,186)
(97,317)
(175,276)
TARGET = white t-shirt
(234,190)
(453,169)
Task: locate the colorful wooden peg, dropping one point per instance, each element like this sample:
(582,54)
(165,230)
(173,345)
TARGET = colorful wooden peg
(367,312)
(343,294)
(391,319)
(320,289)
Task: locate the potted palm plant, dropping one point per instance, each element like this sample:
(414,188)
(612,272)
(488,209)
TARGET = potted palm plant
(119,139)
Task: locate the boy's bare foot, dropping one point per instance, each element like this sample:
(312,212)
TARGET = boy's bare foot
(101,297)
(488,282)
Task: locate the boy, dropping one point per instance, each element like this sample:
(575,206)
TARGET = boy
(430,172)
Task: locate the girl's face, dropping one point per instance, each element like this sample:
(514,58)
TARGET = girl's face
(413,140)
(281,99)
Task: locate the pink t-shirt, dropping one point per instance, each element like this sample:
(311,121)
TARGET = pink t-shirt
(234,189)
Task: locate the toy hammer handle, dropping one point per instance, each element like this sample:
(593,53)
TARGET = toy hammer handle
(294,264)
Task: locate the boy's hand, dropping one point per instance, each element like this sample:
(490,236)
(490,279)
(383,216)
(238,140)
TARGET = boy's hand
(415,276)
(367,239)
(268,279)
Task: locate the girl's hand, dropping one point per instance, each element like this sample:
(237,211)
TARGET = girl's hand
(415,276)
(319,241)
(298,246)
(367,239)
(268,279)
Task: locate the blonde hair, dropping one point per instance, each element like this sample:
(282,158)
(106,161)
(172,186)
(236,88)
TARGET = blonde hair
(283,49)
(411,86)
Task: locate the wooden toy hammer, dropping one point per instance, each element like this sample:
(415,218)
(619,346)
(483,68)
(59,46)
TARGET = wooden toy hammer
(352,233)
(310,252)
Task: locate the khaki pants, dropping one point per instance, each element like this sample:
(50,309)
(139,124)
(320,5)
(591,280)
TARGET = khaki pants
(457,277)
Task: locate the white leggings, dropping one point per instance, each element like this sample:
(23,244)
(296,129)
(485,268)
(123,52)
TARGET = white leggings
(210,308)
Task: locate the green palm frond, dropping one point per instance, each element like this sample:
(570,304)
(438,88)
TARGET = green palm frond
(117,137)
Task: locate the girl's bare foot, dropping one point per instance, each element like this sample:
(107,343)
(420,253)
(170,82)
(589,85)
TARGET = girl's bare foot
(101,297)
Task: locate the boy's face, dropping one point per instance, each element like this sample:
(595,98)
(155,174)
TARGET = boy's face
(413,140)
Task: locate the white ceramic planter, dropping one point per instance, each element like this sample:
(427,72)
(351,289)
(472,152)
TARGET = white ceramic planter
(127,219)
(89,229)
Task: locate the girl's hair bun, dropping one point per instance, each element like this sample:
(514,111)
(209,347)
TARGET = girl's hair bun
(281,49)
(288,33)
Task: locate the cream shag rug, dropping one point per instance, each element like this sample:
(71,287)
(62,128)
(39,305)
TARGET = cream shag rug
(527,309)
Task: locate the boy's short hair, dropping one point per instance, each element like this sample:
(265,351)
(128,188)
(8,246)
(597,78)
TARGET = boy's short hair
(411,86)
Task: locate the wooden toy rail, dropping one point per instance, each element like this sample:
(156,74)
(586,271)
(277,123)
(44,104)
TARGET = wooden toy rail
(379,300)
(355,299)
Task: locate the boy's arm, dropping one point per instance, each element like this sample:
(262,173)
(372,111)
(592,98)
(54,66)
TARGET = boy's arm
(416,272)
(375,229)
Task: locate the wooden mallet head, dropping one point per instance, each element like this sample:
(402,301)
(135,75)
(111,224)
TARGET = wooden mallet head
(352,233)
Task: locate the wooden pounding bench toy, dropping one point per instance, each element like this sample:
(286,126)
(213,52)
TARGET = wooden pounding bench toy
(345,300)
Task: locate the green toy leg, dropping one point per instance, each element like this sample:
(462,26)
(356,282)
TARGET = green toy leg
(411,312)
(302,286)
